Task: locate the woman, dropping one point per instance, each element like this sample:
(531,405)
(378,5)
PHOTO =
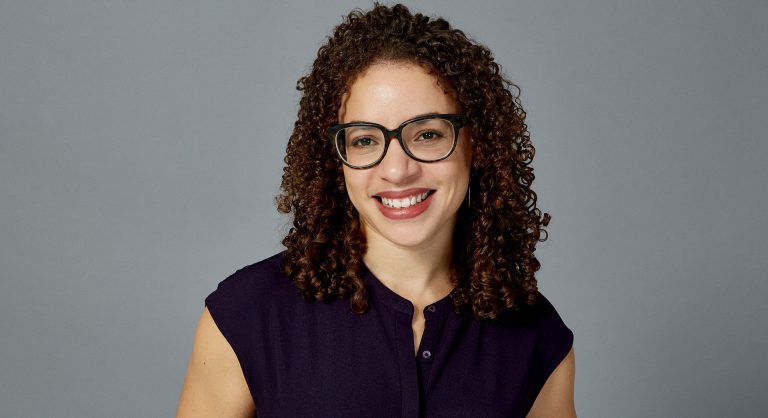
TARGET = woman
(407,286)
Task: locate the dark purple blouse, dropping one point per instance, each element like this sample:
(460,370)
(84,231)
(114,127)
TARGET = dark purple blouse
(317,359)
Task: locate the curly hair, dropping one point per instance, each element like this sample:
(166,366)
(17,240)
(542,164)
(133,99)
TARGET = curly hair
(493,268)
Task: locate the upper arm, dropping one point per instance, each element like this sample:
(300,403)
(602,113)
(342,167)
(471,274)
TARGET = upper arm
(214,385)
(556,396)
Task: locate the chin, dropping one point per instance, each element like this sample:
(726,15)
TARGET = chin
(408,235)
(407,242)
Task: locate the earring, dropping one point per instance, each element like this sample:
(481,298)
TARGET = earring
(469,196)
(469,188)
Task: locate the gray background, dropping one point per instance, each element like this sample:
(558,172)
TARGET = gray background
(141,147)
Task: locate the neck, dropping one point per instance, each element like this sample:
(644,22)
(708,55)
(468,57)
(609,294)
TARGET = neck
(419,274)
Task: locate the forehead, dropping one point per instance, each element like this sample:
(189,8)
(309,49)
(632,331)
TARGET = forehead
(390,93)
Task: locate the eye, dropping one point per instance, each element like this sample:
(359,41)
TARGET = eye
(363,142)
(428,136)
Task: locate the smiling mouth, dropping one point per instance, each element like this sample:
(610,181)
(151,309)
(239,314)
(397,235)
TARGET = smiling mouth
(405,201)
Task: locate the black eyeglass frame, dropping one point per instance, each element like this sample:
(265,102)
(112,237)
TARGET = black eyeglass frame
(456,121)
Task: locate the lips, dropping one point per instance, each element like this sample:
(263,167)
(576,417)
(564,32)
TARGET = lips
(404,204)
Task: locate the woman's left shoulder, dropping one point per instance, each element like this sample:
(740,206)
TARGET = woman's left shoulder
(553,338)
(554,362)
(540,328)
(540,315)
(549,326)
(543,312)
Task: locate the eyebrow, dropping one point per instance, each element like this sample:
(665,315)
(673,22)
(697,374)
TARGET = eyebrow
(412,117)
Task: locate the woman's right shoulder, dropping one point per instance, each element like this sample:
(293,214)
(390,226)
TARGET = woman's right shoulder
(264,279)
(252,295)
(221,367)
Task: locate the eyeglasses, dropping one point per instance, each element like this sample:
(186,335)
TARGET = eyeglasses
(427,139)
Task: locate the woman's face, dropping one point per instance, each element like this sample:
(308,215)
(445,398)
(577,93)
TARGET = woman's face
(389,94)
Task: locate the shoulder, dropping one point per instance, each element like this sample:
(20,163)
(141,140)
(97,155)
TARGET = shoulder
(553,360)
(246,299)
(257,276)
(251,285)
(546,319)
(541,319)
(538,333)
(553,337)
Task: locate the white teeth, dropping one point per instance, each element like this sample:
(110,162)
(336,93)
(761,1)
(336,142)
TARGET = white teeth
(405,202)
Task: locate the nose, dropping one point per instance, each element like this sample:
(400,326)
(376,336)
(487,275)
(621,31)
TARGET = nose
(397,167)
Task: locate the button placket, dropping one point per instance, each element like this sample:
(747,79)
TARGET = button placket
(426,353)
(433,324)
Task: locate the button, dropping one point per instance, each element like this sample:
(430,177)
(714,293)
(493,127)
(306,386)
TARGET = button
(426,354)
(431,308)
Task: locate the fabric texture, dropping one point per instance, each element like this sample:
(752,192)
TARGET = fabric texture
(317,359)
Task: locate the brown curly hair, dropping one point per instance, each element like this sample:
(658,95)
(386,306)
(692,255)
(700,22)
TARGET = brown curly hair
(494,265)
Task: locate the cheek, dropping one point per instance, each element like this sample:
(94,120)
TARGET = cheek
(354,180)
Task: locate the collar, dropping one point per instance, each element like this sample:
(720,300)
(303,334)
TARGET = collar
(379,293)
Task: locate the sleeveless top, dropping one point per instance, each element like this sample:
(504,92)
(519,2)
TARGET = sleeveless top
(317,359)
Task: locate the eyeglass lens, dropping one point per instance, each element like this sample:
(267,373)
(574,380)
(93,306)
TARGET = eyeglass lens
(426,139)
